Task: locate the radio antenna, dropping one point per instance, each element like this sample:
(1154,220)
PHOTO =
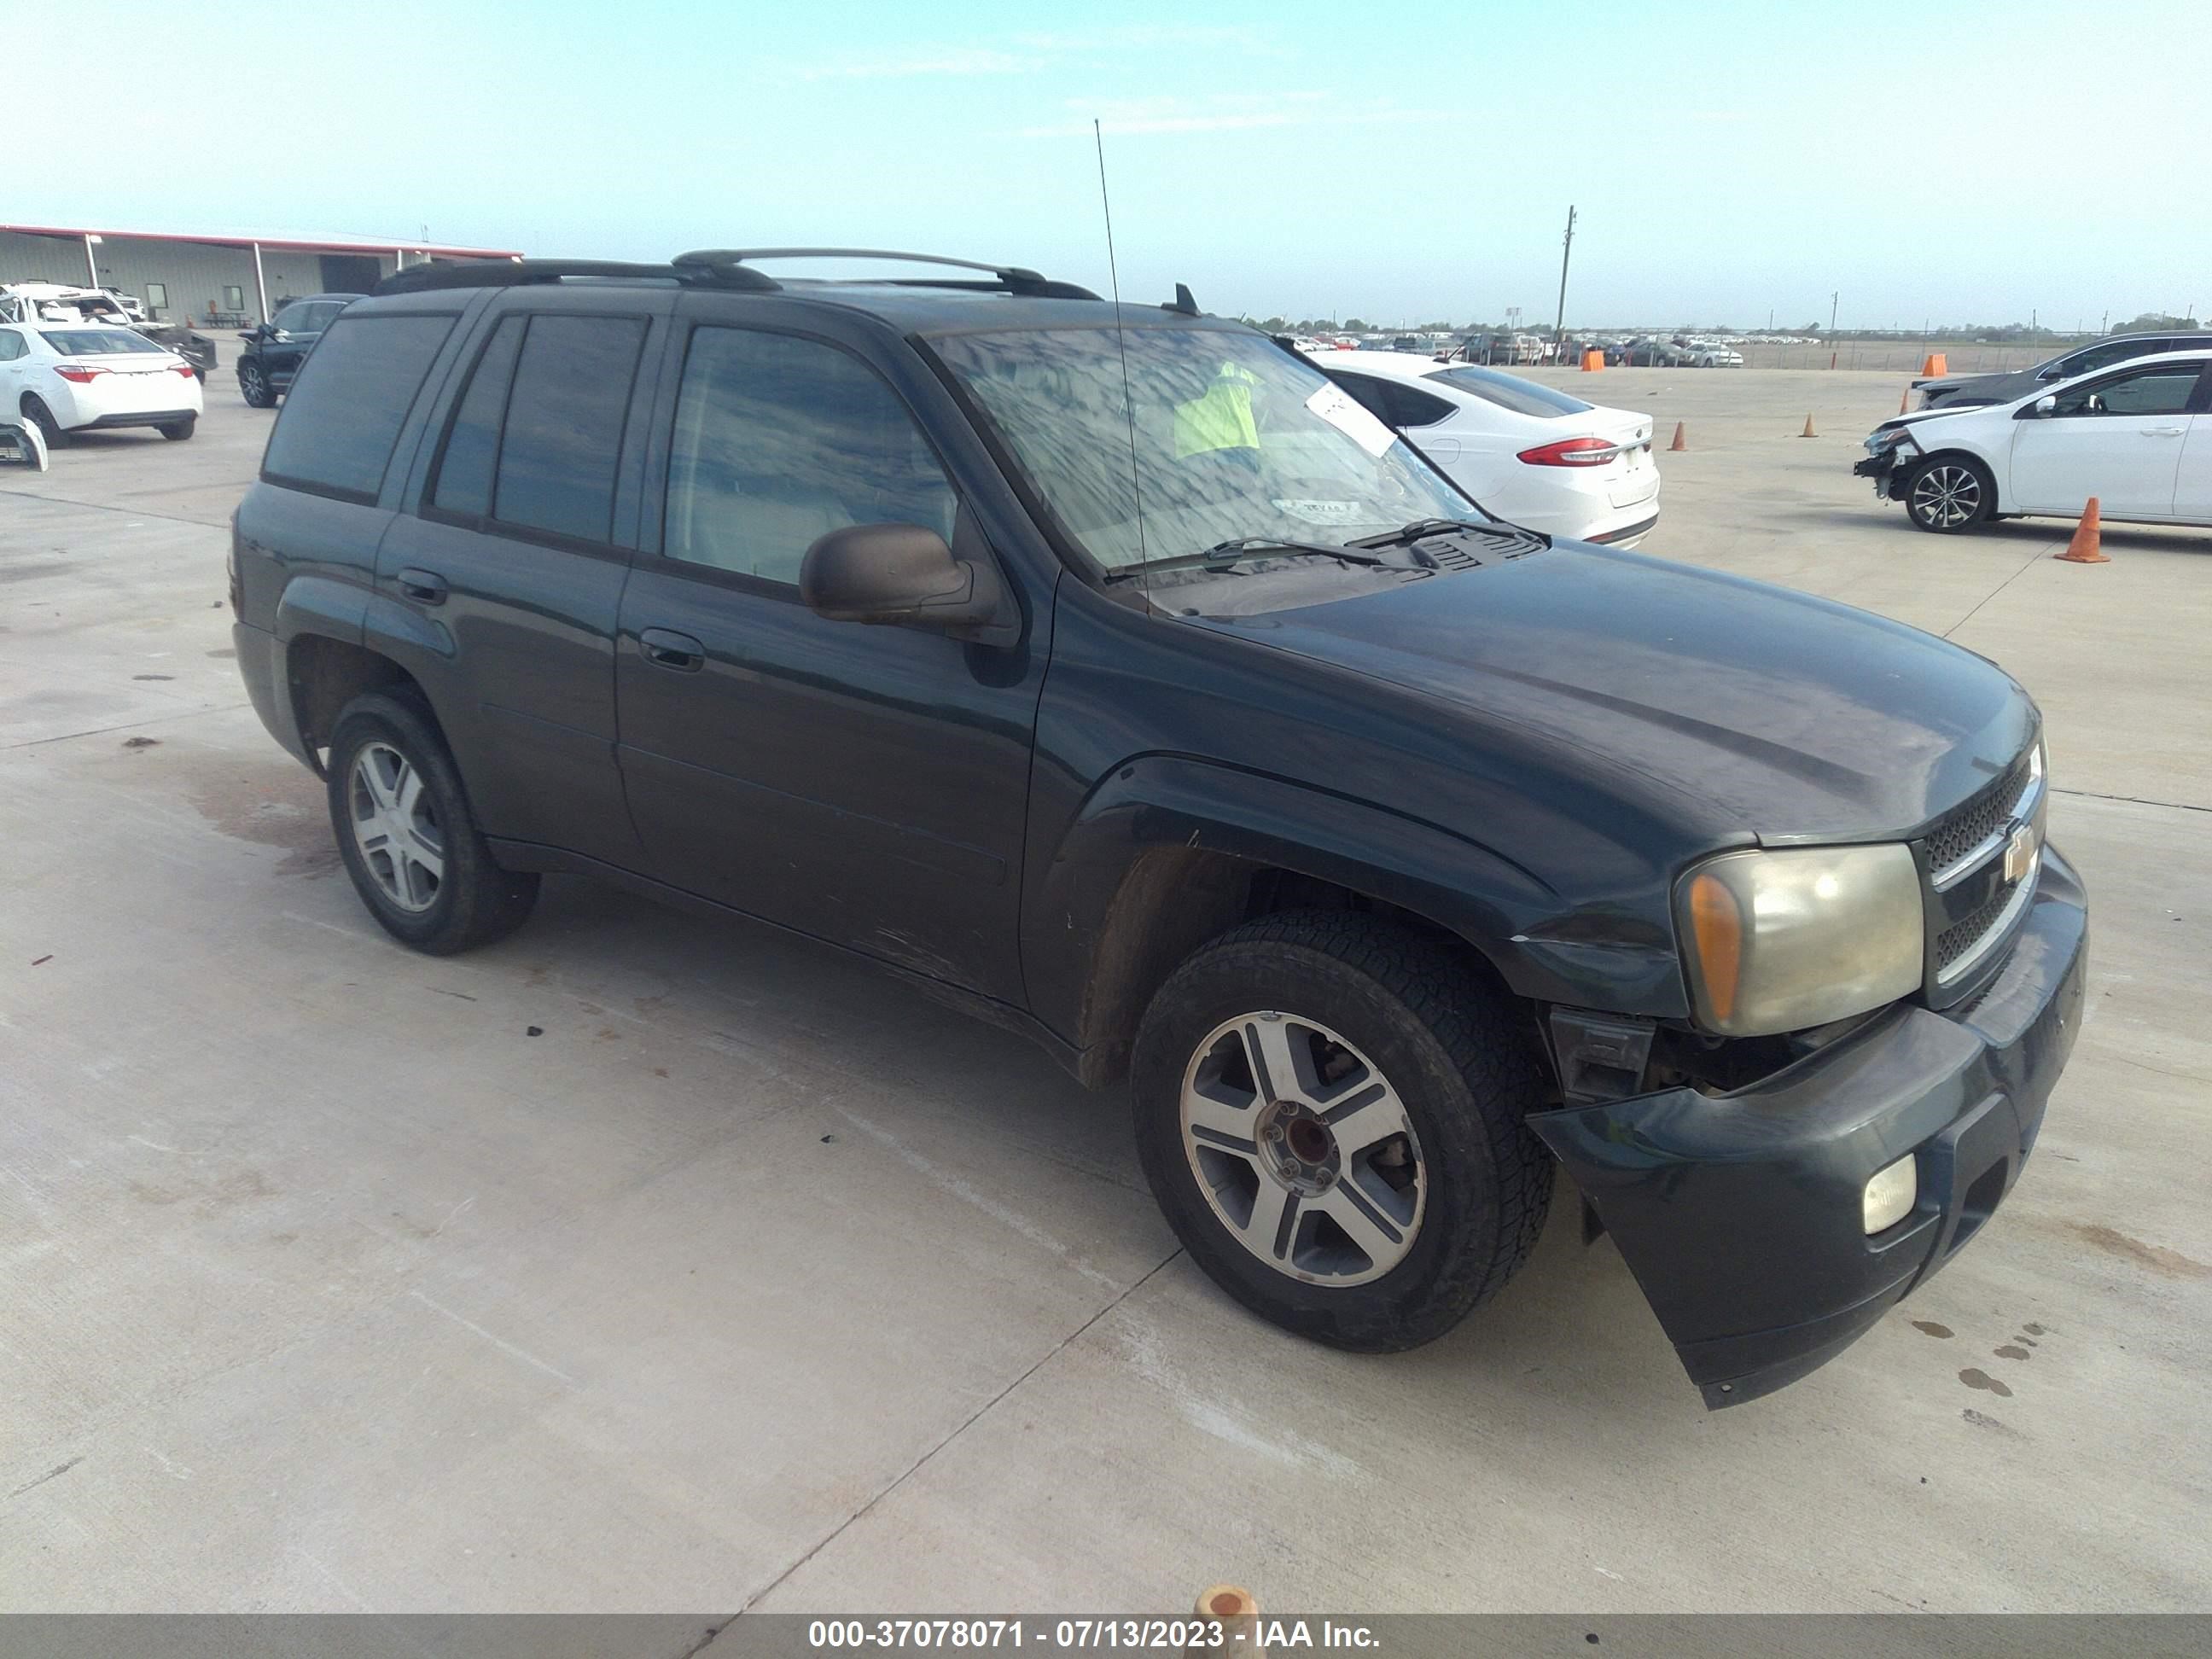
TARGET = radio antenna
(1121,341)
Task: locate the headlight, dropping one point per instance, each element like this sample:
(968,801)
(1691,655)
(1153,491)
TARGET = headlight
(1776,941)
(1895,437)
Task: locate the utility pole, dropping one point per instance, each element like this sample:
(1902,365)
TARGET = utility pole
(1566,251)
(1834,300)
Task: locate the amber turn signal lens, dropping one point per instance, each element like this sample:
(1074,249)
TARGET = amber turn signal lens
(1718,924)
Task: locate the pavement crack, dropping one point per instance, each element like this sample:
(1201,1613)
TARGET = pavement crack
(924,1461)
(1993,592)
(2133,801)
(101,506)
(54,1473)
(127,726)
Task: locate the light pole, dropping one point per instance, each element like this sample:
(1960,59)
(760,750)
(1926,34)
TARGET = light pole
(1566,251)
(1834,300)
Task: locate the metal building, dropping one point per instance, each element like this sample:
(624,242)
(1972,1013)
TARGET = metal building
(212,281)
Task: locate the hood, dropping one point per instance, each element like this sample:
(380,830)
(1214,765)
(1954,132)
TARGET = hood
(2005,387)
(1725,704)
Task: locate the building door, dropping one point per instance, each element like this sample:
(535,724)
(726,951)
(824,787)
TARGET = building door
(350,273)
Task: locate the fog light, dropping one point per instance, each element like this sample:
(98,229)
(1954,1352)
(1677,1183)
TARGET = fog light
(1890,1195)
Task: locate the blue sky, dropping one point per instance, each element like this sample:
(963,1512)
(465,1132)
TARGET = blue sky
(1399,161)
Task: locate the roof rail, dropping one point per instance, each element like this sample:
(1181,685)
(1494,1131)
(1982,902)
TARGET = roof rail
(519,273)
(1013,279)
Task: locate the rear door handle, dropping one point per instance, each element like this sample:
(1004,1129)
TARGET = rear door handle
(426,586)
(2161,432)
(669,649)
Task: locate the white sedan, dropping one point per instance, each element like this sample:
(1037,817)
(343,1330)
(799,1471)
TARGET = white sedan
(65,378)
(1531,455)
(2138,437)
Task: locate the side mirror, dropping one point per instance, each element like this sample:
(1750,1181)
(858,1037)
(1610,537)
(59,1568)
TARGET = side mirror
(2042,407)
(898,575)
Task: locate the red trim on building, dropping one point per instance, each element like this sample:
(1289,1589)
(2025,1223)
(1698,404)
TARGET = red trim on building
(427,250)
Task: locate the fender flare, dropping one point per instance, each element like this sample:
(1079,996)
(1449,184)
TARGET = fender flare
(1147,869)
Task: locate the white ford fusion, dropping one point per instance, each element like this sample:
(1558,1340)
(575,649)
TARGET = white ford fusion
(65,378)
(1532,455)
(2137,436)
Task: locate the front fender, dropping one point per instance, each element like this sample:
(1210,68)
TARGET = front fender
(1145,872)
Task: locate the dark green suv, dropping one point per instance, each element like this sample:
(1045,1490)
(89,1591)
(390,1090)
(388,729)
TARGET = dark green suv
(1107,672)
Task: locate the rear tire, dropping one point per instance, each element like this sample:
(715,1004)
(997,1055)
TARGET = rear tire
(253,387)
(36,412)
(177,431)
(1947,494)
(1442,1188)
(406,834)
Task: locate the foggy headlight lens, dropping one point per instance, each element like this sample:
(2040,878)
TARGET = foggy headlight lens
(1776,941)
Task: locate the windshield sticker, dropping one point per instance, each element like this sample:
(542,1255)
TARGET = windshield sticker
(1328,512)
(1333,404)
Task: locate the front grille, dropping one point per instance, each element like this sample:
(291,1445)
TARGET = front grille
(1988,811)
(1959,939)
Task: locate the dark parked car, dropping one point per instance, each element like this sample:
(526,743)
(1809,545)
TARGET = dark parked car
(1109,673)
(274,350)
(1974,391)
(193,347)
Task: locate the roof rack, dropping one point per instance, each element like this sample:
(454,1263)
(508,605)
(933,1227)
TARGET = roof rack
(1011,279)
(519,273)
(725,268)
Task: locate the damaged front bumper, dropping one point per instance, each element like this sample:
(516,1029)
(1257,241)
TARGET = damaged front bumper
(1882,467)
(1741,1214)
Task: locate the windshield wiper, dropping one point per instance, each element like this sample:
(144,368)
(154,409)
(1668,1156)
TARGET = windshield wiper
(1424,527)
(1223,554)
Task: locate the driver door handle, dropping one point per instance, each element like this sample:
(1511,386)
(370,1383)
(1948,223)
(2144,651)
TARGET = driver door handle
(665,648)
(424,586)
(2161,432)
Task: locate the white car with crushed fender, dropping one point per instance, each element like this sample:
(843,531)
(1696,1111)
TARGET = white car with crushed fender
(2137,436)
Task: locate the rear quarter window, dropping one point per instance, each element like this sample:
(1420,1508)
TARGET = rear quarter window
(1510,392)
(345,411)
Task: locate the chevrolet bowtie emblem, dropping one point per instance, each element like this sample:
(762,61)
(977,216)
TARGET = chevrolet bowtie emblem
(2020,855)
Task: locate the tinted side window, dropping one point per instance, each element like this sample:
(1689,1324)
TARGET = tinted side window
(1411,408)
(337,426)
(564,424)
(780,440)
(1366,392)
(295,320)
(2162,390)
(11,345)
(463,482)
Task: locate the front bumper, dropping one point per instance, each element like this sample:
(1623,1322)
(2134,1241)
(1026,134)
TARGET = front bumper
(1888,477)
(1740,1214)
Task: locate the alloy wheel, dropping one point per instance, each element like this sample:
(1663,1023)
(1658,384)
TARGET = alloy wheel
(1302,1149)
(395,826)
(1946,496)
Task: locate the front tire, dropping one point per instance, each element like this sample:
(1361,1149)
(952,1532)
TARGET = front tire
(1330,1109)
(1948,494)
(407,836)
(253,387)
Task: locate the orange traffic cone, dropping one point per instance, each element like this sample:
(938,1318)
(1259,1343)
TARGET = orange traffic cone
(1681,441)
(2083,548)
(1808,432)
(1934,364)
(1904,403)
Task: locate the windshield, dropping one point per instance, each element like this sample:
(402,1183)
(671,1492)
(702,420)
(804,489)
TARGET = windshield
(95,341)
(1234,438)
(1511,392)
